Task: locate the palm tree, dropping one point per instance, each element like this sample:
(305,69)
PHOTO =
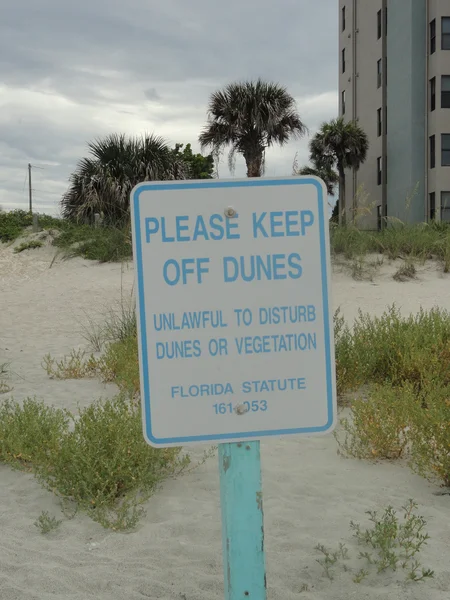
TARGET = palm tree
(102,182)
(250,117)
(326,173)
(342,145)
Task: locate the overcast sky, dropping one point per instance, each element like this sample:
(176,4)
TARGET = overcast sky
(74,71)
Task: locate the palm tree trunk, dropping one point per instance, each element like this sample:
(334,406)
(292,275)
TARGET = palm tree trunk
(254,164)
(342,213)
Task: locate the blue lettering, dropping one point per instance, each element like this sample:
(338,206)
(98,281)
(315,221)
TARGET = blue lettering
(180,228)
(296,269)
(290,223)
(230,260)
(258,226)
(276,223)
(216,227)
(151,226)
(165,237)
(200,229)
(307,219)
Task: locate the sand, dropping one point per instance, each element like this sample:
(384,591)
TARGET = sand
(310,493)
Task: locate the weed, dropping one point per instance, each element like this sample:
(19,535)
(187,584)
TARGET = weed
(30,433)
(394,543)
(103,244)
(98,461)
(105,465)
(406,271)
(28,246)
(45,523)
(378,424)
(392,348)
(360,575)
(429,419)
(77,365)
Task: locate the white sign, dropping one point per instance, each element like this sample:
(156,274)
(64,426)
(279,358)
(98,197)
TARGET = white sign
(234,323)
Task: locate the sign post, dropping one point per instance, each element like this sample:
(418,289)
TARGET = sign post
(235,333)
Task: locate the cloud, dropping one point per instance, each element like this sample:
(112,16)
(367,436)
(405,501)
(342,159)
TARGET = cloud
(72,72)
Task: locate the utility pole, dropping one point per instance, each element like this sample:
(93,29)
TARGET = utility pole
(30,191)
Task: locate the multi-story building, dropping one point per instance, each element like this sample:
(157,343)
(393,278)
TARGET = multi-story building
(394,78)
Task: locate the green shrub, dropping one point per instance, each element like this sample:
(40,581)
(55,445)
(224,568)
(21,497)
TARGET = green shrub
(393,348)
(120,364)
(13,223)
(104,463)
(429,421)
(378,426)
(104,244)
(31,433)
(30,245)
(98,459)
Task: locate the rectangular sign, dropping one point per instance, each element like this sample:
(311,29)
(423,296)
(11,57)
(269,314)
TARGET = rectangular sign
(234,320)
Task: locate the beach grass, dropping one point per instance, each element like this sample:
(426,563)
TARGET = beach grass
(398,367)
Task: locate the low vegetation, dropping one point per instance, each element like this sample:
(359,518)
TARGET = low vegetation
(389,544)
(30,245)
(399,368)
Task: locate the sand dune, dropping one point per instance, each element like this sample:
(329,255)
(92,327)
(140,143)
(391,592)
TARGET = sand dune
(310,493)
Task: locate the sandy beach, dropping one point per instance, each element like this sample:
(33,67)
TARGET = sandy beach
(310,492)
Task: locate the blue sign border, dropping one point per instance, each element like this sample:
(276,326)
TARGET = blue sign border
(146,187)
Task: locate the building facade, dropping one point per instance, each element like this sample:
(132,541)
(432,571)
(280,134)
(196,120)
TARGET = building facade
(394,79)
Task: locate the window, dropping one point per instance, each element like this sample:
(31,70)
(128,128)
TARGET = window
(433,36)
(432,207)
(445,42)
(379,24)
(379,123)
(343,102)
(432,151)
(379,72)
(433,93)
(343,18)
(343,60)
(379,217)
(445,207)
(379,170)
(445,91)
(445,149)
(385,120)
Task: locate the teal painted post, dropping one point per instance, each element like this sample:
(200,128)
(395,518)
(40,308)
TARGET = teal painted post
(242,521)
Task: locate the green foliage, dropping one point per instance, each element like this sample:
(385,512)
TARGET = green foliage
(31,433)
(326,173)
(13,223)
(429,422)
(406,271)
(28,246)
(406,408)
(45,523)
(104,463)
(390,544)
(378,427)
(393,543)
(392,348)
(250,117)
(120,364)
(104,244)
(408,242)
(200,167)
(102,182)
(98,459)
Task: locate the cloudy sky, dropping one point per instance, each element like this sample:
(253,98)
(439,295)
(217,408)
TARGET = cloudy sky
(74,71)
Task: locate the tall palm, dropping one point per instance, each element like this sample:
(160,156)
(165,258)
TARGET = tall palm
(342,145)
(250,117)
(324,172)
(102,182)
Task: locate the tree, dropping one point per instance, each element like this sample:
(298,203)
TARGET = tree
(200,167)
(342,145)
(327,174)
(250,117)
(102,182)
